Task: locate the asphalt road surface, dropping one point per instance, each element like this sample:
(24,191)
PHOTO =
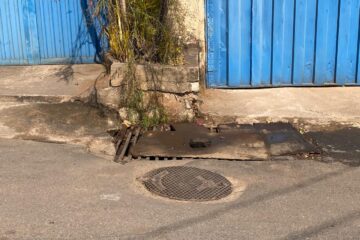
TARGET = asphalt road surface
(58,191)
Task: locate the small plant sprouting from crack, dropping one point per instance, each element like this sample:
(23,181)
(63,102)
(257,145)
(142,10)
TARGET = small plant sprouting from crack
(144,107)
(142,32)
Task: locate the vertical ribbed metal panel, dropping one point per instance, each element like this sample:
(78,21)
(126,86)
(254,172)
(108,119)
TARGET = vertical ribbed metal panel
(46,32)
(283,43)
(12,34)
(348,42)
(261,42)
(217,44)
(326,41)
(239,42)
(63,35)
(304,42)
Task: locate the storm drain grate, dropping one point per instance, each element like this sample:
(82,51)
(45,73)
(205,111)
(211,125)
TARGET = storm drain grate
(187,183)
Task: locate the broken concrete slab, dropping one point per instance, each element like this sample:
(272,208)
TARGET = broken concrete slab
(284,139)
(73,123)
(280,138)
(231,141)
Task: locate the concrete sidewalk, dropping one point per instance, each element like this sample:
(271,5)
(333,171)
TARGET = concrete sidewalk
(324,104)
(36,104)
(60,82)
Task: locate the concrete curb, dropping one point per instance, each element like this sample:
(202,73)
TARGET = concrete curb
(34,98)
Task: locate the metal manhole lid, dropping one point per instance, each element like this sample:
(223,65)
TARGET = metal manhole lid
(187,183)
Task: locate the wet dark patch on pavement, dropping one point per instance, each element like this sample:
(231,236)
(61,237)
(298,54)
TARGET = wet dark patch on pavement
(59,118)
(339,144)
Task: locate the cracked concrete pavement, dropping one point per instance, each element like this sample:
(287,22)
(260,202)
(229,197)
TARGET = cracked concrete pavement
(68,122)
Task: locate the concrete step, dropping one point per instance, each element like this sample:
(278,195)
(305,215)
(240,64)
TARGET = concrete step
(316,105)
(34,99)
(47,83)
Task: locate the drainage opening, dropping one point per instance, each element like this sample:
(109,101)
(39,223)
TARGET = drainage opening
(187,184)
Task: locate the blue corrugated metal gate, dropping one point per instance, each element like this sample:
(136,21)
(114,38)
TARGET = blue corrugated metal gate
(46,32)
(262,43)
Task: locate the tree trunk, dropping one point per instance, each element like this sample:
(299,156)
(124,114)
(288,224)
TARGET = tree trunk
(164,11)
(162,20)
(123,9)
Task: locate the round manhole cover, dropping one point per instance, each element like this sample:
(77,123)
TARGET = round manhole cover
(187,183)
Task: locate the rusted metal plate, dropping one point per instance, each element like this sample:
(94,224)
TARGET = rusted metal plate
(231,141)
(237,144)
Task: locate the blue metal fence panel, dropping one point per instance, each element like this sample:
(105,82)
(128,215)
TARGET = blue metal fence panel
(239,43)
(217,45)
(47,32)
(12,32)
(348,42)
(283,39)
(326,41)
(283,43)
(304,42)
(261,42)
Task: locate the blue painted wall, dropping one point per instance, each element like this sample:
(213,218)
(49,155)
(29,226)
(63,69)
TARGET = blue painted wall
(264,43)
(47,32)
